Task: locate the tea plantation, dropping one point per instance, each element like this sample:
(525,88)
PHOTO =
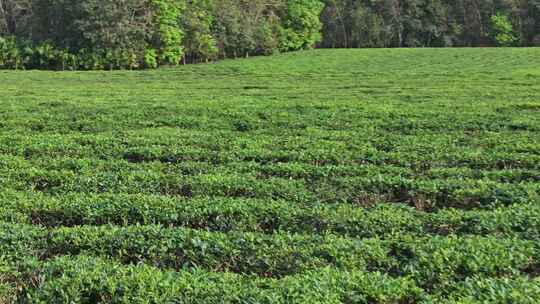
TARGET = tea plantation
(326,176)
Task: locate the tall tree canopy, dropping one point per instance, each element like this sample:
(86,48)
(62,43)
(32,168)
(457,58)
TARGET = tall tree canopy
(103,34)
(436,23)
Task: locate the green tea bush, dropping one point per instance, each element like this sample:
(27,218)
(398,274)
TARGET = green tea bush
(503,290)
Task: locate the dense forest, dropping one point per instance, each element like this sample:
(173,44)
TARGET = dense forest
(110,34)
(130,34)
(430,23)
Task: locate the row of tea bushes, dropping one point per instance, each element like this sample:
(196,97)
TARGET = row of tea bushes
(434,262)
(85,279)
(245,180)
(265,216)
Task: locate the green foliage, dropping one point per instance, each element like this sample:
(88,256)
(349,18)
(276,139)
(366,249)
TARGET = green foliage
(433,23)
(482,290)
(150,58)
(168,35)
(302,25)
(503,31)
(131,34)
(10,57)
(111,34)
(196,22)
(88,279)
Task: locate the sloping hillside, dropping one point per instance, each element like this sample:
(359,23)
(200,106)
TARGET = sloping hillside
(343,176)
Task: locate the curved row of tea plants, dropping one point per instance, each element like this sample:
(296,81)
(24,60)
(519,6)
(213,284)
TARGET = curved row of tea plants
(265,216)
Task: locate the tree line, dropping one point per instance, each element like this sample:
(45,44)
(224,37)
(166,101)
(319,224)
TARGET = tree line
(430,23)
(131,34)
